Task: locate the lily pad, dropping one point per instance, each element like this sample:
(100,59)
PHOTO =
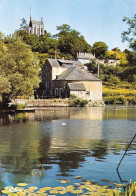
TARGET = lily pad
(54,192)
(5,191)
(22,184)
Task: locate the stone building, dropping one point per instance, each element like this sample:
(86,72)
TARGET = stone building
(85,57)
(35,27)
(62,78)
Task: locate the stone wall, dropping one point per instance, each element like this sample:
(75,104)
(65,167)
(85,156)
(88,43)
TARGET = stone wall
(48,103)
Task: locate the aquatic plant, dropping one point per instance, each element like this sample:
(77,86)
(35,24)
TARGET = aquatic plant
(82,188)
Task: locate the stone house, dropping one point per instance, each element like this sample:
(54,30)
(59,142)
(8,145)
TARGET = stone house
(85,57)
(62,78)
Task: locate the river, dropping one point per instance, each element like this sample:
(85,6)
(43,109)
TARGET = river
(55,144)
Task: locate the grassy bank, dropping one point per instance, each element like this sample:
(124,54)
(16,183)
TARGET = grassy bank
(119,94)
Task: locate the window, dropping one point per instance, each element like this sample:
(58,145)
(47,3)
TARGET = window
(47,75)
(47,84)
(56,92)
(47,66)
(60,92)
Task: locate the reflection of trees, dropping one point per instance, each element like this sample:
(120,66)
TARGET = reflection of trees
(70,160)
(19,150)
(99,149)
(4,119)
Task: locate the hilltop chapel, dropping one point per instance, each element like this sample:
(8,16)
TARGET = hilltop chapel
(35,27)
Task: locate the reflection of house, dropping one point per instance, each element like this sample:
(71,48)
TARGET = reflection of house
(61,78)
(85,57)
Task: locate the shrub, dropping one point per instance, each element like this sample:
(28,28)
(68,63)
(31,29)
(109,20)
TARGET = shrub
(17,106)
(78,102)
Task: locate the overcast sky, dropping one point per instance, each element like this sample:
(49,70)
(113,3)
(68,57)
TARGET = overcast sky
(96,20)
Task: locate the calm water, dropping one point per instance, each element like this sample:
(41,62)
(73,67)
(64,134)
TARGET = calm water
(42,147)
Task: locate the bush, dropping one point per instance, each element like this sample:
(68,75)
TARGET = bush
(72,96)
(17,106)
(114,80)
(78,102)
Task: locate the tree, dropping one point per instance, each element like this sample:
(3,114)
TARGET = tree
(18,69)
(116,49)
(130,34)
(23,24)
(63,28)
(99,49)
(92,66)
(71,41)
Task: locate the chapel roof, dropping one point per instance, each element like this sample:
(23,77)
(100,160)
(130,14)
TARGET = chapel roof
(37,22)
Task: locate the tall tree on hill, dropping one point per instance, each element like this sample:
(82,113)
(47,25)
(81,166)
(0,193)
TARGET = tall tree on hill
(23,25)
(99,49)
(71,41)
(130,34)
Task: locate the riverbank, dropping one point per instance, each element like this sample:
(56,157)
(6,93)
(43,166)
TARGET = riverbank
(57,102)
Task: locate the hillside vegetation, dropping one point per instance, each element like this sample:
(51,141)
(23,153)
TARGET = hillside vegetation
(119,94)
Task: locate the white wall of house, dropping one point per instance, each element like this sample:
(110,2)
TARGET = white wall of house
(84,61)
(79,94)
(57,71)
(93,90)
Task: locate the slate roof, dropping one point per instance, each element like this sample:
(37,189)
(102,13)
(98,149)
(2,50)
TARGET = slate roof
(54,62)
(76,86)
(77,74)
(85,55)
(58,63)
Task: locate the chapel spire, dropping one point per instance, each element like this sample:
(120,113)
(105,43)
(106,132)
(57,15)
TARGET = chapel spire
(30,14)
(30,22)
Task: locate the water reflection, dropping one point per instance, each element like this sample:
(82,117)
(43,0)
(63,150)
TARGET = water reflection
(62,140)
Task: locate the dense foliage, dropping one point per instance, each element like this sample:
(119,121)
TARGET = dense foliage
(99,49)
(18,68)
(66,43)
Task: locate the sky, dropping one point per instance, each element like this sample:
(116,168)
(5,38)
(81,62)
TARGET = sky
(96,20)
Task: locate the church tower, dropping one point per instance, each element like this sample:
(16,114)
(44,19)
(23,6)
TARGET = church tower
(35,27)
